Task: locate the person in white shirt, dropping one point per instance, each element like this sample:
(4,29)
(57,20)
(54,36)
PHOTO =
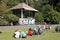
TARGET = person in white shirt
(16,34)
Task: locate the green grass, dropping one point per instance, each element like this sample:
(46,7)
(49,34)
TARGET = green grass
(47,35)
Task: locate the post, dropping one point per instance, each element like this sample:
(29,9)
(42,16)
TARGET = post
(21,19)
(21,13)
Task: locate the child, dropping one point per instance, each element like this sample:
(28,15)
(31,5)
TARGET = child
(29,32)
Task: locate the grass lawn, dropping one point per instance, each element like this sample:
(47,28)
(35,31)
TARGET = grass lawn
(47,35)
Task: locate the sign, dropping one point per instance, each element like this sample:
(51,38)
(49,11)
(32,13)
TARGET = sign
(27,21)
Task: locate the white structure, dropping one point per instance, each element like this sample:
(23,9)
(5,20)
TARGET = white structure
(27,21)
(22,7)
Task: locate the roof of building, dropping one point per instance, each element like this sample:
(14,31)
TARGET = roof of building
(23,6)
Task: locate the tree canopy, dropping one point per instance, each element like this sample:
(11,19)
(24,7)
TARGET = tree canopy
(49,10)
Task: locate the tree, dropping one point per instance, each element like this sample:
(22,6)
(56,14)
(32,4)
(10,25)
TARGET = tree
(45,9)
(11,3)
(53,16)
(58,7)
(10,17)
(3,8)
(53,2)
(5,13)
(31,3)
(38,4)
(38,17)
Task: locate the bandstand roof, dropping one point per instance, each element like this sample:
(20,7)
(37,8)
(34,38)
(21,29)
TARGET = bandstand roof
(23,6)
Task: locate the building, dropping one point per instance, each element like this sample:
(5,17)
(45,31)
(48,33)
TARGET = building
(25,13)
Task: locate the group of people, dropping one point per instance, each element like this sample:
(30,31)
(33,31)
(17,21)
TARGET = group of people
(35,31)
(38,30)
(19,34)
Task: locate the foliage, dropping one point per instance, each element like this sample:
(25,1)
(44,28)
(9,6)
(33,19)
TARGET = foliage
(38,4)
(3,21)
(54,16)
(38,17)
(3,8)
(11,3)
(58,7)
(11,17)
(53,2)
(45,8)
(6,14)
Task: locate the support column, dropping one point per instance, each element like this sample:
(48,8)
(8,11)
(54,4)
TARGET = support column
(22,13)
(21,20)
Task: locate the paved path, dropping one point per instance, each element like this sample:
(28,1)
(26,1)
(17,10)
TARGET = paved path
(19,26)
